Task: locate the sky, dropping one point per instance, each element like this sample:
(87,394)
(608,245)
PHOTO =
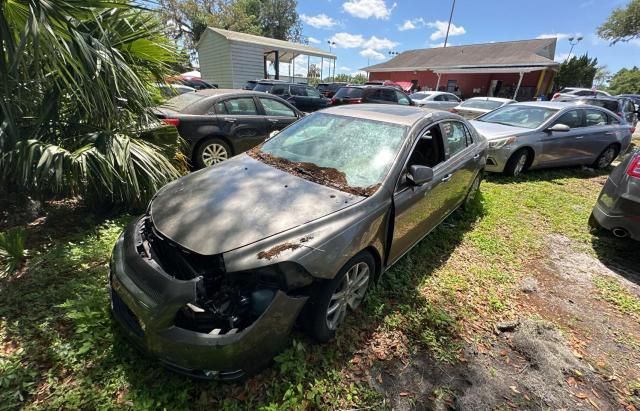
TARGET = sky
(365,31)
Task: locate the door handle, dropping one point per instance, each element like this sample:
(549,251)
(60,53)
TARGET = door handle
(229,120)
(446,178)
(579,137)
(477,156)
(273,120)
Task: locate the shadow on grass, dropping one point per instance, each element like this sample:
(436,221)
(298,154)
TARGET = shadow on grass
(63,350)
(620,255)
(550,175)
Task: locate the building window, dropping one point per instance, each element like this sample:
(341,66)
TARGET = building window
(452,86)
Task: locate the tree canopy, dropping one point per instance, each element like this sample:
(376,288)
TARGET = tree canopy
(186,20)
(576,72)
(625,81)
(623,24)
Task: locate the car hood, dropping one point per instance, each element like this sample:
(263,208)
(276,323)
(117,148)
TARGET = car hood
(492,131)
(239,202)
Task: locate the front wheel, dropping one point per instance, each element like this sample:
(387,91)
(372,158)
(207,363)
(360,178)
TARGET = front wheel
(332,300)
(605,158)
(517,163)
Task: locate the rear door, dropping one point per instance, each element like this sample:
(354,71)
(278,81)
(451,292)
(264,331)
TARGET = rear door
(450,101)
(462,157)
(564,147)
(598,132)
(299,97)
(241,122)
(277,114)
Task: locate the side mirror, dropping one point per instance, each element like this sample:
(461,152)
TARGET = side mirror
(419,175)
(559,127)
(273,133)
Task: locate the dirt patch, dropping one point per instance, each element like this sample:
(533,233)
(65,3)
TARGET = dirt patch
(309,171)
(529,368)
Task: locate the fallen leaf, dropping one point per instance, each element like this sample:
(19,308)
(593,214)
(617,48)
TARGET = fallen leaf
(581,395)
(404,394)
(571,381)
(514,389)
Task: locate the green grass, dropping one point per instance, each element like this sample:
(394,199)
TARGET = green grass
(60,349)
(611,290)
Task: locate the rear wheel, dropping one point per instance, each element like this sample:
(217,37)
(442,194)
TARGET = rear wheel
(517,163)
(211,151)
(332,300)
(605,158)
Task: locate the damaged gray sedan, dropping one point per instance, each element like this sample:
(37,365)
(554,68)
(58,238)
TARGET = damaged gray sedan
(226,260)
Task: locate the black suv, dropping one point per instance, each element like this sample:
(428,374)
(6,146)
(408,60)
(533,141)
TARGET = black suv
(622,106)
(329,89)
(371,94)
(303,97)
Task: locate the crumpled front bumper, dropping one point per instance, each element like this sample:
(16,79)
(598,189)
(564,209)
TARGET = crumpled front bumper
(145,300)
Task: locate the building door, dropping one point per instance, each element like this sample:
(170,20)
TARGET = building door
(495,87)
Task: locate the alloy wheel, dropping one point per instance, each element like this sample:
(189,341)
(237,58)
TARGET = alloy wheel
(349,294)
(214,153)
(607,157)
(520,164)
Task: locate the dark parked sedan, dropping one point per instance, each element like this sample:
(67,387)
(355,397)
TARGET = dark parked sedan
(618,206)
(329,89)
(212,279)
(370,94)
(221,123)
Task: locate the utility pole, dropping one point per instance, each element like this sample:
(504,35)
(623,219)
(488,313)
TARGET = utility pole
(573,44)
(449,25)
(331,44)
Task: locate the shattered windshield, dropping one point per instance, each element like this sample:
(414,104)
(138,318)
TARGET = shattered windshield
(351,154)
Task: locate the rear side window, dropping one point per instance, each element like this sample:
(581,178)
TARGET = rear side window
(455,136)
(612,120)
(584,93)
(276,108)
(312,92)
(386,95)
(349,92)
(608,104)
(439,97)
(595,118)
(451,97)
(265,88)
(220,108)
(243,106)
(403,99)
(278,89)
(298,91)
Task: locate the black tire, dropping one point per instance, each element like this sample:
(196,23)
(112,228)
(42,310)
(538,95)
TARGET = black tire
(607,156)
(316,317)
(473,192)
(517,163)
(209,152)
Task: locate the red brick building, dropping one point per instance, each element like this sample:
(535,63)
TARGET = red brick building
(515,69)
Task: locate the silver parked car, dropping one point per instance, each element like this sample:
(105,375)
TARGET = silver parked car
(438,100)
(477,106)
(579,92)
(213,277)
(618,206)
(550,134)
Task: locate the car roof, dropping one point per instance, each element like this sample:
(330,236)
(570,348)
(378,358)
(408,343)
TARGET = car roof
(556,105)
(390,113)
(371,86)
(500,99)
(210,92)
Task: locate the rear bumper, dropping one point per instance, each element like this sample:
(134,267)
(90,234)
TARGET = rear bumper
(609,221)
(145,300)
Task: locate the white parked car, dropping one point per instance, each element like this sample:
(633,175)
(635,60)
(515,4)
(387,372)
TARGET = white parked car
(439,100)
(579,92)
(477,106)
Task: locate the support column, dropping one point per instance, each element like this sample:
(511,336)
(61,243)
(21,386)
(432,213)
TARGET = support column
(321,67)
(540,80)
(276,62)
(438,83)
(333,78)
(518,86)
(308,67)
(293,63)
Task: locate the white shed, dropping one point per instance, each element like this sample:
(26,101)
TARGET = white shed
(229,58)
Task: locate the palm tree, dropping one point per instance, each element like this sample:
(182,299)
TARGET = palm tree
(74,99)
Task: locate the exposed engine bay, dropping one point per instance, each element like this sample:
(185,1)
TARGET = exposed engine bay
(226,303)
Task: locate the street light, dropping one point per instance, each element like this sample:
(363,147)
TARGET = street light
(332,44)
(393,53)
(573,43)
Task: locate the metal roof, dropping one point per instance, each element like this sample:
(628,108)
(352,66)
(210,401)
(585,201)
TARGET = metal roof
(508,56)
(287,49)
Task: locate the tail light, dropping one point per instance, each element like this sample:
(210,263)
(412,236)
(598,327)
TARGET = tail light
(355,101)
(555,96)
(171,121)
(633,130)
(333,101)
(634,167)
(453,110)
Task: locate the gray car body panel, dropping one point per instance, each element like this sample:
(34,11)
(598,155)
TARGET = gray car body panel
(579,146)
(334,229)
(618,204)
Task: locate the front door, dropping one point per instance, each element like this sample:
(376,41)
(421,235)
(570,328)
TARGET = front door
(419,209)
(240,121)
(562,147)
